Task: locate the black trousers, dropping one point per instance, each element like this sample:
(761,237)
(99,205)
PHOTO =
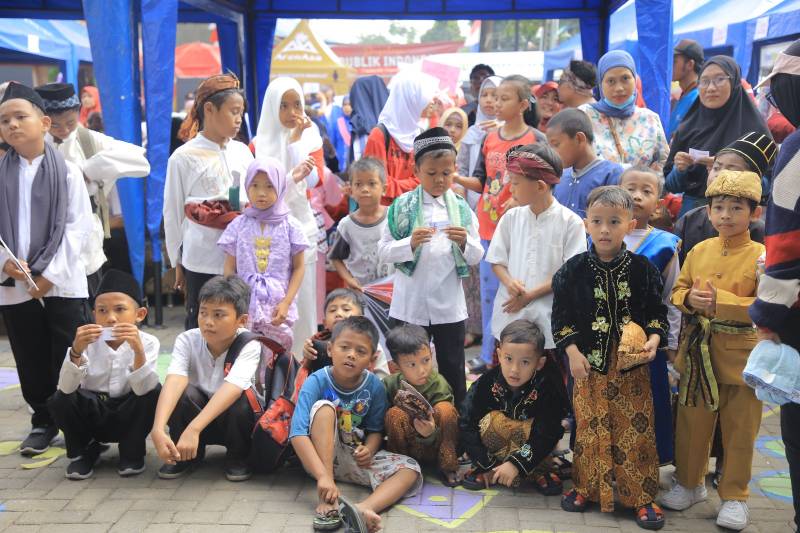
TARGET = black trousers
(790,416)
(39,338)
(84,415)
(194,282)
(232,429)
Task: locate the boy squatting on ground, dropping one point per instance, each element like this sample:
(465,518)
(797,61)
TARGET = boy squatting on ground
(41,322)
(595,295)
(716,287)
(337,429)
(108,386)
(432,238)
(339,304)
(430,440)
(203,402)
(511,419)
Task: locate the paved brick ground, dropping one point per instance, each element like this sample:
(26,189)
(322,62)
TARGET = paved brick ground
(41,499)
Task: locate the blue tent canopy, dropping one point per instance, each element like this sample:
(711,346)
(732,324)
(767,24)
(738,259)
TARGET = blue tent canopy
(34,40)
(246,32)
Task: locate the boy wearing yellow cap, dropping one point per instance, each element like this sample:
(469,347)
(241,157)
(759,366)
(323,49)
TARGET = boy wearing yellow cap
(716,286)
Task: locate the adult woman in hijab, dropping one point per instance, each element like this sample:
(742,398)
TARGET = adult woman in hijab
(287,134)
(722,114)
(777,310)
(90,103)
(409,95)
(368,95)
(624,133)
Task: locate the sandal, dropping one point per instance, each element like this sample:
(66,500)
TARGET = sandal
(548,484)
(445,479)
(474,480)
(329,521)
(351,517)
(572,502)
(650,516)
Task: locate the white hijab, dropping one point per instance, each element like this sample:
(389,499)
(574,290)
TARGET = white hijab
(409,94)
(475,133)
(272,138)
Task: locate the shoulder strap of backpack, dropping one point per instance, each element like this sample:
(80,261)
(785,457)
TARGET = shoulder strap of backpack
(386,138)
(86,142)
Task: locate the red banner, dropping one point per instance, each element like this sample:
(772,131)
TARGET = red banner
(382,59)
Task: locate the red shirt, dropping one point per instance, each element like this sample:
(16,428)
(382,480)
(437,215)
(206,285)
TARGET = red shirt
(399,164)
(491,169)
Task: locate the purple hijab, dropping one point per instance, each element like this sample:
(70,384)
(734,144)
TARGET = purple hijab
(273,168)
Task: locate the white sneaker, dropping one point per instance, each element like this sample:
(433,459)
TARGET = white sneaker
(733,515)
(680,498)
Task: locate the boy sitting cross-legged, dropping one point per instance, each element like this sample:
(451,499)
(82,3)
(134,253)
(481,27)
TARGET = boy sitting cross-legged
(430,439)
(337,430)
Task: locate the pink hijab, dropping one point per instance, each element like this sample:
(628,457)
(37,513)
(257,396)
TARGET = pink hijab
(273,168)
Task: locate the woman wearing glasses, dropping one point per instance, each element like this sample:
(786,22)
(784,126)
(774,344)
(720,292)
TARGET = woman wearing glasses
(722,114)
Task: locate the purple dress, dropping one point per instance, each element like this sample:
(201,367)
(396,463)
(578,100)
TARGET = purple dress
(264,261)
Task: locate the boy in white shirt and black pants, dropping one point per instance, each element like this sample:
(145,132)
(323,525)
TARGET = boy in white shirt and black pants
(44,219)
(108,386)
(202,401)
(432,238)
(103,160)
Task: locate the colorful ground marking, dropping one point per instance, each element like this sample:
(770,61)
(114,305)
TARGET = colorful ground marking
(775,484)
(162,365)
(771,447)
(444,506)
(8,378)
(39,461)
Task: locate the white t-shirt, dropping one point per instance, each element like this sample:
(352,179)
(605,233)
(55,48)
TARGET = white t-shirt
(357,246)
(191,358)
(533,248)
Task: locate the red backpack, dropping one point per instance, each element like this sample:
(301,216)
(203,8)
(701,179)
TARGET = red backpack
(272,399)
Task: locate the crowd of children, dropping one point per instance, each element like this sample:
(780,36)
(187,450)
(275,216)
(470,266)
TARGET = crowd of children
(484,226)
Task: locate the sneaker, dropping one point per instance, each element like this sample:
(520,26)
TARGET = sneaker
(130,467)
(175,471)
(237,470)
(82,467)
(733,515)
(38,440)
(680,498)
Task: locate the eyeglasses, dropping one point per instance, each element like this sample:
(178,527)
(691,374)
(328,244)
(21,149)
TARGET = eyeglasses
(716,81)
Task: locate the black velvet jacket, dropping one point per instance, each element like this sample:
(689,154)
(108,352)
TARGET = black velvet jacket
(542,399)
(592,300)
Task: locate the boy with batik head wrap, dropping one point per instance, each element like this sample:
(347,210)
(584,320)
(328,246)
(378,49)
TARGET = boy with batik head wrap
(432,239)
(46,216)
(716,286)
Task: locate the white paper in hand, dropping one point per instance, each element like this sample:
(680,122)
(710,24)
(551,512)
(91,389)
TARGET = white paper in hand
(28,278)
(697,154)
(106,335)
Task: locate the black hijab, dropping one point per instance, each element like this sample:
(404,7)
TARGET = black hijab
(712,130)
(368,95)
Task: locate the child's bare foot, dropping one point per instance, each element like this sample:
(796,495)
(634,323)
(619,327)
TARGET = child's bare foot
(372,519)
(327,517)
(324,508)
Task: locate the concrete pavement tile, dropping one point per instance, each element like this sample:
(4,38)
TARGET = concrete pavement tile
(109,511)
(275,521)
(197,517)
(549,516)
(141,494)
(8,517)
(195,528)
(22,529)
(163,505)
(240,512)
(216,500)
(34,505)
(162,528)
(82,528)
(52,517)
(88,499)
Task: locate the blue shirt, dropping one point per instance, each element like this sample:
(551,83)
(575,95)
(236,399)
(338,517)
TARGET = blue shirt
(682,107)
(574,188)
(358,411)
